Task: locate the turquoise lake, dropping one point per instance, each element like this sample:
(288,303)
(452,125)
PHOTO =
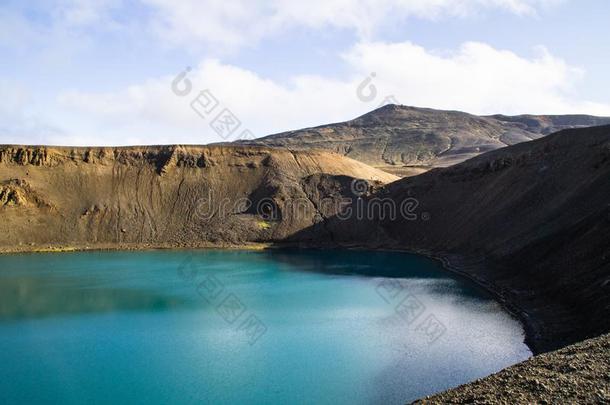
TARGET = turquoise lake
(239,327)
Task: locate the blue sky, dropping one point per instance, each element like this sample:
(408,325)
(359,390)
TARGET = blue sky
(99,72)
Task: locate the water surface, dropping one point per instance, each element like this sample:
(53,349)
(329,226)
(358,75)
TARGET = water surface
(234,327)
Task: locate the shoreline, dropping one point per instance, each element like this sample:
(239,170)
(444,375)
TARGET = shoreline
(531,326)
(128,247)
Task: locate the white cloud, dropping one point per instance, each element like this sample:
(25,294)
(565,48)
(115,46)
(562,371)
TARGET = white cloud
(152,113)
(475,78)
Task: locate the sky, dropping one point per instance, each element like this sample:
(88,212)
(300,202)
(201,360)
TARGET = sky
(118,72)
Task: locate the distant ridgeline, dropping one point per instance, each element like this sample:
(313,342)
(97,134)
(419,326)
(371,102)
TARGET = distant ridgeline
(394,137)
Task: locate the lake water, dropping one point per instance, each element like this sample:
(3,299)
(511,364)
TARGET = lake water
(237,327)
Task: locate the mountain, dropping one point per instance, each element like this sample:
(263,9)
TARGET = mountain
(408,140)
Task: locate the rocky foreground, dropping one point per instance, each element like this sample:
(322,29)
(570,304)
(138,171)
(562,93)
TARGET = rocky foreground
(577,374)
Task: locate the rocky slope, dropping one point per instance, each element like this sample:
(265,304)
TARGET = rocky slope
(408,140)
(160,195)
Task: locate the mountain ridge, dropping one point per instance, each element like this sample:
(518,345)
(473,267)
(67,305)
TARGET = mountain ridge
(408,140)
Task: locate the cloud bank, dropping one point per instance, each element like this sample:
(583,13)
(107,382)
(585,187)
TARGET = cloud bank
(476,78)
